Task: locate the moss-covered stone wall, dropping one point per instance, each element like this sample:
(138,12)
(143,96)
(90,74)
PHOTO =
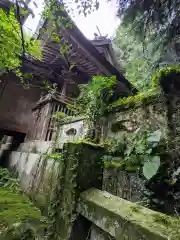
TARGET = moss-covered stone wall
(123,184)
(82,170)
(150,115)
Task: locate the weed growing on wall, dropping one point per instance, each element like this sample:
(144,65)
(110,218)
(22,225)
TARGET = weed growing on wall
(148,154)
(8,181)
(93,103)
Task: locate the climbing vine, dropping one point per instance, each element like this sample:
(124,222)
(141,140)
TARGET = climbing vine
(8,181)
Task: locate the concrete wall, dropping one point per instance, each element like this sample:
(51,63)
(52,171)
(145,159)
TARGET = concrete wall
(63,136)
(16,105)
(37,174)
(41,147)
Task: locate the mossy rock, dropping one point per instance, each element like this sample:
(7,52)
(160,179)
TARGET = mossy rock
(19,219)
(122,165)
(143,98)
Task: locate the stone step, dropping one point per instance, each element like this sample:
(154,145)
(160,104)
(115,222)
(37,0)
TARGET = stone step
(37,174)
(5,146)
(36,146)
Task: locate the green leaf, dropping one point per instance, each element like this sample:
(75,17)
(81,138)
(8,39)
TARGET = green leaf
(129,150)
(154,136)
(151,167)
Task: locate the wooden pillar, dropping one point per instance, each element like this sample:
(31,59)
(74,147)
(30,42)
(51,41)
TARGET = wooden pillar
(42,114)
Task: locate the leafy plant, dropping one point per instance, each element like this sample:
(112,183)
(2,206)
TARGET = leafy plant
(138,149)
(61,117)
(151,166)
(145,148)
(164,72)
(11,44)
(8,181)
(93,102)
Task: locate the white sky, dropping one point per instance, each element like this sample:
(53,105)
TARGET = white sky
(105,18)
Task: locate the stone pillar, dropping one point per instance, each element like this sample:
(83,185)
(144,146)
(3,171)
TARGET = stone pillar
(83,169)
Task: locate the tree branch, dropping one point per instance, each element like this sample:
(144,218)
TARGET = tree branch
(21,28)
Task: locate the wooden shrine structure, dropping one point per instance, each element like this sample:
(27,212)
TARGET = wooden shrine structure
(29,111)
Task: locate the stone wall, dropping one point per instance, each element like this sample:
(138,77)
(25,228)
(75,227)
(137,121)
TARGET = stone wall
(123,184)
(151,116)
(71,131)
(37,174)
(101,215)
(120,183)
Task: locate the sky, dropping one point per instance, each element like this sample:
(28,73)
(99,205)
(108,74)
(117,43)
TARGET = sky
(105,18)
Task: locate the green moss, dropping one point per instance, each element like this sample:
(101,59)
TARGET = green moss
(152,95)
(104,209)
(87,142)
(135,208)
(165,220)
(54,156)
(62,118)
(163,73)
(18,215)
(147,97)
(15,207)
(131,168)
(114,164)
(123,165)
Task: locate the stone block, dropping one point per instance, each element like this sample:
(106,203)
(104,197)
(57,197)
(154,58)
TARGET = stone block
(36,147)
(125,220)
(123,184)
(80,130)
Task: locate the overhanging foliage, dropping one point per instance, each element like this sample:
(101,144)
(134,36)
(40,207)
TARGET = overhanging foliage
(11,43)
